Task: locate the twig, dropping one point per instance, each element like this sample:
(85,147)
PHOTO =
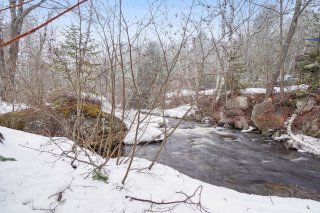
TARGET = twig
(187,200)
(60,193)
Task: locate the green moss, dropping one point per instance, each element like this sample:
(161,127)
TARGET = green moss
(97,175)
(300,93)
(92,110)
(20,125)
(3,159)
(16,120)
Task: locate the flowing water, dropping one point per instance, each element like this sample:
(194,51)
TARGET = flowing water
(246,162)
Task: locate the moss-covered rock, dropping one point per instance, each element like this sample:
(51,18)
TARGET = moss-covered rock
(35,121)
(98,131)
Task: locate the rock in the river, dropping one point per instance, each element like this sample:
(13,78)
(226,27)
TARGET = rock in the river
(241,123)
(239,102)
(98,131)
(264,117)
(233,117)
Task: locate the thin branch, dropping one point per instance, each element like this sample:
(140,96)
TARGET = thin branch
(187,200)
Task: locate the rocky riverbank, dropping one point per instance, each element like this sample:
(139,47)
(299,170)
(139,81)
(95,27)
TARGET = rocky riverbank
(270,116)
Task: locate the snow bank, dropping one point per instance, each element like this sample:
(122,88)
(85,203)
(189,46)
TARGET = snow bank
(179,112)
(276,89)
(37,180)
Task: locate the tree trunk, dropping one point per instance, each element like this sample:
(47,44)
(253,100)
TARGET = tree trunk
(17,15)
(2,63)
(285,48)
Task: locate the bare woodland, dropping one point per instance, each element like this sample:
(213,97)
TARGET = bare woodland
(134,61)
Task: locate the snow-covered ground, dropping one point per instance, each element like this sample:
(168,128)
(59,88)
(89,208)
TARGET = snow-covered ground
(276,89)
(40,182)
(186,92)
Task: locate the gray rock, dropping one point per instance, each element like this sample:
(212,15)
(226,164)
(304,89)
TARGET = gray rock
(239,102)
(241,123)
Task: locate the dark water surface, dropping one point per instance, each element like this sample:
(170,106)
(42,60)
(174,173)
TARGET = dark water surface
(246,162)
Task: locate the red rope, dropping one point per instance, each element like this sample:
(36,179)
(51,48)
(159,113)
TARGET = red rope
(15,5)
(40,26)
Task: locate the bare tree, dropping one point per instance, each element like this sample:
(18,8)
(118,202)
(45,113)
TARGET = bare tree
(17,15)
(298,9)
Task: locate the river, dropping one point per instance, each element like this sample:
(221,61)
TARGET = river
(246,162)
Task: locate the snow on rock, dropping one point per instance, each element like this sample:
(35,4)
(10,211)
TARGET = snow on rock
(36,181)
(147,129)
(180,112)
(300,141)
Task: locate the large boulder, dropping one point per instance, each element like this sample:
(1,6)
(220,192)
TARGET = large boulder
(98,131)
(239,102)
(264,117)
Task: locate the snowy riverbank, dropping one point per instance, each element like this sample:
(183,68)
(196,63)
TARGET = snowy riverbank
(40,181)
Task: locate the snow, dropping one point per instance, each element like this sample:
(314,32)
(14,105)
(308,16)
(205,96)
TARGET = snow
(207,92)
(253,91)
(148,127)
(8,107)
(180,112)
(302,87)
(250,129)
(276,89)
(300,141)
(35,181)
(180,93)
